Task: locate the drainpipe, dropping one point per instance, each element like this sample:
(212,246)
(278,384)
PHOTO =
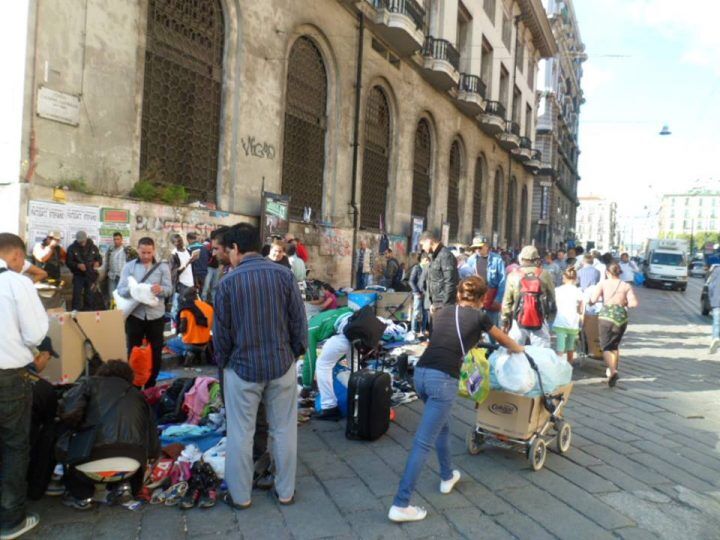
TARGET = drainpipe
(356,143)
(511,92)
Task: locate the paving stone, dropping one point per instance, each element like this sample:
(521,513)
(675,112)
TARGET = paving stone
(632,468)
(521,526)
(622,480)
(219,519)
(352,496)
(553,514)
(326,465)
(636,533)
(472,525)
(374,525)
(484,499)
(678,459)
(578,475)
(167,523)
(676,475)
(377,475)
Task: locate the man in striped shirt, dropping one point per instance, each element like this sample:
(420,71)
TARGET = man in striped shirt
(260,330)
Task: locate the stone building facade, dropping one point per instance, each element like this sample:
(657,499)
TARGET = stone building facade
(364,112)
(597,223)
(559,99)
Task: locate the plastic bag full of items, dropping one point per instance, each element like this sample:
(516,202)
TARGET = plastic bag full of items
(512,372)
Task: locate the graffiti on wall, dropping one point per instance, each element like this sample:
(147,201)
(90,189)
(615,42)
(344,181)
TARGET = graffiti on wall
(257,149)
(173,225)
(336,242)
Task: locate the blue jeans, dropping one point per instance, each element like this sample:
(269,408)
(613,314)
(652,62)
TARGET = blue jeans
(419,315)
(179,347)
(716,323)
(437,390)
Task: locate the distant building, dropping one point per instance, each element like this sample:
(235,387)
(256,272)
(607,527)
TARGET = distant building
(597,223)
(559,99)
(695,211)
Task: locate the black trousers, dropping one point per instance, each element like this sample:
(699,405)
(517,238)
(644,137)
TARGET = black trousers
(80,292)
(152,330)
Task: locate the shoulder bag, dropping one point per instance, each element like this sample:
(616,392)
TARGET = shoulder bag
(128,305)
(474,382)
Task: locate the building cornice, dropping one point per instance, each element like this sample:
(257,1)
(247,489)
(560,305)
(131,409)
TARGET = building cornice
(535,18)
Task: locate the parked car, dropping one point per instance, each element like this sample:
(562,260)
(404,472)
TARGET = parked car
(697,269)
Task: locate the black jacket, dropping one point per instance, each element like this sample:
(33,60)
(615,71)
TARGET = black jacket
(416,285)
(87,255)
(128,420)
(442,278)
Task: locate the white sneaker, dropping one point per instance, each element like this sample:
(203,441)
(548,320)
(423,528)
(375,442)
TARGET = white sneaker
(714,345)
(607,373)
(31,521)
(410,513)
(446,486)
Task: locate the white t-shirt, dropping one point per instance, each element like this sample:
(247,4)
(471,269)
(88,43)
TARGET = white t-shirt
(568,299)
(628,270)
(186,277)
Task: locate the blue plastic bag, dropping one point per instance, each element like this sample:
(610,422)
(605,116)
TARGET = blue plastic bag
(639,279)
(340,391)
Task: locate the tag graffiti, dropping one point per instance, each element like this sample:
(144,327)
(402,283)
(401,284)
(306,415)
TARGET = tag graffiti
(258,149)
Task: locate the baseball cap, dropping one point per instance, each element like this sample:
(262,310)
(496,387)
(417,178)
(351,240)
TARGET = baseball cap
(529,253)
(478,241)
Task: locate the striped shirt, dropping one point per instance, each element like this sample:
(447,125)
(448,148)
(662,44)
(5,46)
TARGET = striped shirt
(260,325)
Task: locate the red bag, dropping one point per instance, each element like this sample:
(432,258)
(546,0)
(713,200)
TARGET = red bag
(529,311)
(141,363)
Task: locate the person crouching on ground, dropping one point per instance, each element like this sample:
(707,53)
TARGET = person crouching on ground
(568,320)
(194,321)
(456,329)
(123,426)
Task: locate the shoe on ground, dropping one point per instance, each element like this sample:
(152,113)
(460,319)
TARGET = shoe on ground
(714,345)
(446,486)
(189,500)
(208,499)
(403,515)
(265,482)
(78,504)
(55,488)
(29,523)
(333,414)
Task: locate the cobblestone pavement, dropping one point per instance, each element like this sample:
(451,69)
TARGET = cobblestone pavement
(644,463)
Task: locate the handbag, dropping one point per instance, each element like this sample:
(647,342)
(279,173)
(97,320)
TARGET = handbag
(128,305)
(81,441)
(474,382)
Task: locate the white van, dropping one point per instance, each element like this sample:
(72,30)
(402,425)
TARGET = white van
(666,265)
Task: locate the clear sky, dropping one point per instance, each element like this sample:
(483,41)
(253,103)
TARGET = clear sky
(651,62)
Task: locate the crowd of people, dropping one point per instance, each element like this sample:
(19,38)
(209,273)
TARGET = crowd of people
(246,303)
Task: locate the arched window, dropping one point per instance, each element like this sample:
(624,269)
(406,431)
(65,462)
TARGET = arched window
(497,202)
(510,213)
(523,214)
(373,194)
(477,196)
(305,126)
(422,164)
(453,212)
(181,96)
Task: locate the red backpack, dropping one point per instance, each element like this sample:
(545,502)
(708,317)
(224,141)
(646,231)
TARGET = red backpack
(529,312)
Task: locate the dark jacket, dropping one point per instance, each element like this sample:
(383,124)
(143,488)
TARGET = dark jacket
(88,255)
(414,281)
(200,266)
(128,420)
(442,277)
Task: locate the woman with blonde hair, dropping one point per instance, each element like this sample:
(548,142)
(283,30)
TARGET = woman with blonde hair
(456,329)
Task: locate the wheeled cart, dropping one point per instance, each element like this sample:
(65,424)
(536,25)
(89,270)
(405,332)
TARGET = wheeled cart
(524,424)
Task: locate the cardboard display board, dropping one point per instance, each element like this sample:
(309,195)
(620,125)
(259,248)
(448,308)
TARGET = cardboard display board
(106,330)
(514,415)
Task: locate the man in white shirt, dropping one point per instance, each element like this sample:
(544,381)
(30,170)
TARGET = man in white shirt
(181,270)
(598,264)
(628,268)
(25,326)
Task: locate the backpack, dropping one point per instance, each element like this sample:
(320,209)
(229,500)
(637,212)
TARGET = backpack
(529,311)
(363,325)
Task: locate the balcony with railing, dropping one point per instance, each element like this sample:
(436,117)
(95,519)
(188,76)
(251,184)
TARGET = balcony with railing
(399,22)
(471,94)
(534,164)
(441,62)
(492,121)
(523,152)
(509,139)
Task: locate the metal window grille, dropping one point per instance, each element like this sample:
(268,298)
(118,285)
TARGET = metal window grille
(497,202)
(421,170)
(453,214)
(510,212)
(477,196)
(373,194)
(523,212)
(303,165)
(182,95)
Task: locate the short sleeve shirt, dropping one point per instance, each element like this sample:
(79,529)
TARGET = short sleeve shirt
(445,353)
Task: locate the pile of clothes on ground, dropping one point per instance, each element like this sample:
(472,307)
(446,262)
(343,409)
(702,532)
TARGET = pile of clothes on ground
(513,372)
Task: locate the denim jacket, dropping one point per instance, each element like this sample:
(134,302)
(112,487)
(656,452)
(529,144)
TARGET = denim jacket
(495,270)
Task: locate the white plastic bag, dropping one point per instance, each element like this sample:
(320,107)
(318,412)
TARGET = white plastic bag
(555,371)
(142,292)
(215,456)
(513,372)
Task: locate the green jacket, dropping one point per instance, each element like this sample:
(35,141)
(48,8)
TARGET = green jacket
(512,290)
(320,328)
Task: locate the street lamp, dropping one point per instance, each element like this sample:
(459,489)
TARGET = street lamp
(665,130)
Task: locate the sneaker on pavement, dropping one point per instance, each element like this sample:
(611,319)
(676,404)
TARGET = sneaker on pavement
(446,486)
(409,513)
(332,414)
(77,504)
(55,488)
(29,523)
(714,345)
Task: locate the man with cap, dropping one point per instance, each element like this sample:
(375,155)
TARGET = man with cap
(490,267)
(529,270)
(25,326)
(83,260)
(49,255)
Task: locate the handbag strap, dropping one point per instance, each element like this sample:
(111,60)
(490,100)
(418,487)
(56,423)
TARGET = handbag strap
(147,274)
(457,327)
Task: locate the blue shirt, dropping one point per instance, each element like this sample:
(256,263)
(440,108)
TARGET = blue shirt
(588,276)
(260,326)
(160,276)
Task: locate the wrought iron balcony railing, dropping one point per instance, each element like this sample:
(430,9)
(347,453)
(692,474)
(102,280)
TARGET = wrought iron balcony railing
(441,49)
(472,84)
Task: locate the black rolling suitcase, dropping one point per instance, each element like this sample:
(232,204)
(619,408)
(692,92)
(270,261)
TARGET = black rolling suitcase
(369,394)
